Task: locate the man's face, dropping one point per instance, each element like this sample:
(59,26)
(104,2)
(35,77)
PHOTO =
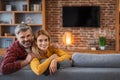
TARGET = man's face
(25,38)
(42,42)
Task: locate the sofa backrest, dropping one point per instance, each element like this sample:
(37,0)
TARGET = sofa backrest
(95,60)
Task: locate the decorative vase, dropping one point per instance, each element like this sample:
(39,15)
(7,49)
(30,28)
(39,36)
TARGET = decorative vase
(102,42)
(102,47)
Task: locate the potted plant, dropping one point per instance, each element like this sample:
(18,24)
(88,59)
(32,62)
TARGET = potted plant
(102,42)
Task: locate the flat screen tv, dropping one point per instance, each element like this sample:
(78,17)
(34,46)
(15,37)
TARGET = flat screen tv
(82,16)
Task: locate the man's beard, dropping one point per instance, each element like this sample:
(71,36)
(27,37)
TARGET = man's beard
(27,44)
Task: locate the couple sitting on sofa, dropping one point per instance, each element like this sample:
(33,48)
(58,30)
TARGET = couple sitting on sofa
(28,49)
(46,59)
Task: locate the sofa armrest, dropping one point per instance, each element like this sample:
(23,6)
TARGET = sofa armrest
(95,60)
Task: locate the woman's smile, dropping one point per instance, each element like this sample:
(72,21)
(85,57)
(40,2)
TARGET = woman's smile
(42,42)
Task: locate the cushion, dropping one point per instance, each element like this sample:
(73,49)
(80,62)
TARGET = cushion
(95,60)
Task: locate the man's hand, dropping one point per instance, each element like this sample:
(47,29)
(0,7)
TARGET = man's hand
(26,61)
(31,56)
(55,45)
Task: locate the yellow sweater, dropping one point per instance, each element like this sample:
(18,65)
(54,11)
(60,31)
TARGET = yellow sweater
(39,68)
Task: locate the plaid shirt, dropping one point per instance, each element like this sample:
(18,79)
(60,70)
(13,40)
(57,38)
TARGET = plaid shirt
(14,54)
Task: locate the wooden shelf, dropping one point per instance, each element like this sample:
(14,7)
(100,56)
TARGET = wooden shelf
(35,25)
(2,51)
(8,24)
(10,19)
(92,51)
(7,37)
(6,11)
(39,12)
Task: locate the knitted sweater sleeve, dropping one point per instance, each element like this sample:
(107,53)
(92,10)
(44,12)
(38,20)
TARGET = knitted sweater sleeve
(39,68)
(62,55)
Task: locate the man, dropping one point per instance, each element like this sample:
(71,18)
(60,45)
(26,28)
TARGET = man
(19,53)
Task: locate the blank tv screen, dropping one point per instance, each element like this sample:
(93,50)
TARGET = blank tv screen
(82,16)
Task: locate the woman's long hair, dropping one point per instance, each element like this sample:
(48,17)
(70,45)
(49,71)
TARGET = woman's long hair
(35,48)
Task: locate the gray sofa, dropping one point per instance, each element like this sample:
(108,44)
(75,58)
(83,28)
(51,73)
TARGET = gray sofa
(84,67)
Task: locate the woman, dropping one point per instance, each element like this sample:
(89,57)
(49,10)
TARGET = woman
(52,56)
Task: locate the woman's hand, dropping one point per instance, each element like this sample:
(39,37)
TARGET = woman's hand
(53,66)
(54,56)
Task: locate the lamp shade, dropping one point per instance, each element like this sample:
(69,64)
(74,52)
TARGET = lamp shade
(67,38)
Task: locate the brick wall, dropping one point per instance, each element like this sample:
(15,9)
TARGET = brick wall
(83,38)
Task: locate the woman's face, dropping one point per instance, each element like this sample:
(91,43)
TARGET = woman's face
(42,42)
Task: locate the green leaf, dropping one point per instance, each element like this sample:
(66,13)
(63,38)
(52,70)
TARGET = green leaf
(102,41)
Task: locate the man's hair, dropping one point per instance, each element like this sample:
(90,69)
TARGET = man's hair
(22,28)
